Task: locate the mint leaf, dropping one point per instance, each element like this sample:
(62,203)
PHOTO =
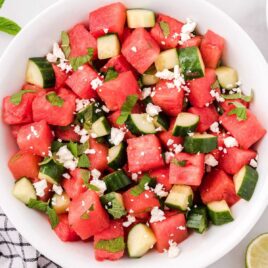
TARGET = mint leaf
(140,188)
(112,245)
(111,74)
(116,209)
(238,96)
(81,60)
(81,148)
(38,205)
(54,99)
(93,187)
(181,163)
(165,28)
(46,160)
(1,3)
(240,111)
(83,161)
(9,26)
(127,108)
(85,215)
(73,147)
(53,217)
(17,97)
(65,44)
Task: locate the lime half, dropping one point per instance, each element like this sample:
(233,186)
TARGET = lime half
(257,252)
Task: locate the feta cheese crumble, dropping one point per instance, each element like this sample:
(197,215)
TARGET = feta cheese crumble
(157,215)
(95,83)
(105,108)
(134,49)
(230,142)
(101,185)
(170,142)
(66,158)
(168,157)
(214,127)
(57,189)
(81,104)
(130,220)
(117,136)
(216,95)
(152,109)
(177,148)
(40,187)
(95,173)
(159,191)
(146,92)
(90,151)
(66,176)
(210,160)
(173,250)
(187,30)
(253,163)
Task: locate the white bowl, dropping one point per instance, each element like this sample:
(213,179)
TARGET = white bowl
(241,53)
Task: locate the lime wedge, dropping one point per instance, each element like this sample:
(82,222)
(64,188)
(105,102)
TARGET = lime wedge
(257,252)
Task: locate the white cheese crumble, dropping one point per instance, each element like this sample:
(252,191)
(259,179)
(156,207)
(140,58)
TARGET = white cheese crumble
(157,215)
(210,160)
(105,30)
(117,136)
(66,158)
(168,157)
(214,127)
(57,189)
(177,148)
(159,190)
(82,132)
(170,142)
(253,163)
(90,151)
(173,250)
(95,83)
(187,30)
(105,108)
(216,95)
(152,109)
(146,92)
(130,219)
(101,185)
(230,142)
(40,187)
(95,173)
(66,176)
(81,104)
(134,49)
(134,176)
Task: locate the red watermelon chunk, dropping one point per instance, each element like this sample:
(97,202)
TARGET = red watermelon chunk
(24,164)
(207,116)
(193,42)
(217,186)
(80,82)
(162,176)
(200,89)
(140,50)
(235,159)
(144,153)
(108,19)
(227,104)
(64,231)
(173,228)
(44,110)
(247,132)
(211,49)
(125,84)
(169,99)
(67,134)
(87,217)
(35,138)
(187,169)
(115,230)
(15,129)
(60,76)
(173,37)
(80,40)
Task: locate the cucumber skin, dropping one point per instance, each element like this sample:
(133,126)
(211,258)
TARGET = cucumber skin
(133,129)
(178,207)
(183,131)
(46,70)
(52,170)
(189,63)
(120,160)
(220,218)
(161,120)
(248,185)
(194,146)
(197,219)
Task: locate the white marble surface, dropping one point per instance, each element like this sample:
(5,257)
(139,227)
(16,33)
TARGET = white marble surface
(250,14)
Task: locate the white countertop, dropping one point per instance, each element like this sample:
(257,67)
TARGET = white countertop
(250,14)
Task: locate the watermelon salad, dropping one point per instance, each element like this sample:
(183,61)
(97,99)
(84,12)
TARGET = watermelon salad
(133,133)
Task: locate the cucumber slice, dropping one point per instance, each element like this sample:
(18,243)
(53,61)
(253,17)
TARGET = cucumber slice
(40,73)
(113,203)
(108,46)
(180,197)
(149,78)
(24,191)
(140,240)
(227,77)
(200,143)
(161,121)
(117,156)
(184,124)
(140,18)
(191,63)
(167,59)
(219,212)
(197,219)
(245,182)
(101,127)
(60,203)
(51,171)
(139,124)
(116,181)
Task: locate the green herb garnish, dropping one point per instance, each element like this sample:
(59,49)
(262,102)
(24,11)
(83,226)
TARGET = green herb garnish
(111,74)
(81,60)
(17,97)
(127,108)
(240,111)
(165,28)
(54,99)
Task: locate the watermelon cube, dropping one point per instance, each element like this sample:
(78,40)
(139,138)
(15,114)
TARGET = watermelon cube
(162,176)
(187,169)
(60,76)
(66,134)
(227,104)
(144,153)
(140,50)
(247,132)
(107,19)
(193,42)
(217,186)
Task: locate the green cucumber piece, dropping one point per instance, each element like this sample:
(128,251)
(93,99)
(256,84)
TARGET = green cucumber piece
(149,78)
(101,127)
(161,121)
(51,171)
(197,219)
(167,59)
(40,73)
(116,181)
(180,197)
(117,156)
(60,203)
(191,63)
(185,123)
(227,77)
(245,181)
(140,240)
(200,143)
(139,124)
(108,46)
(219,212)
(23,190)
(140,18)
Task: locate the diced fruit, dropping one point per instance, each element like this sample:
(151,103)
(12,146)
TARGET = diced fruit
(167,59)
(139,124)
(140,18)
(170,100)
(219,212)
(172,228)
(193,42)
(23,190)
(36,138)
(187,169)
(108,46)
(117,87)
(108,19)
(227,77)
(162,176)
(197,219)
(45,110)
(217,186)
(211,48)
(140,50)
(144,153)
(60,203)
(185,123)
(60,76)
(67,134)
(247,132)
(24,164)
(87,218)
